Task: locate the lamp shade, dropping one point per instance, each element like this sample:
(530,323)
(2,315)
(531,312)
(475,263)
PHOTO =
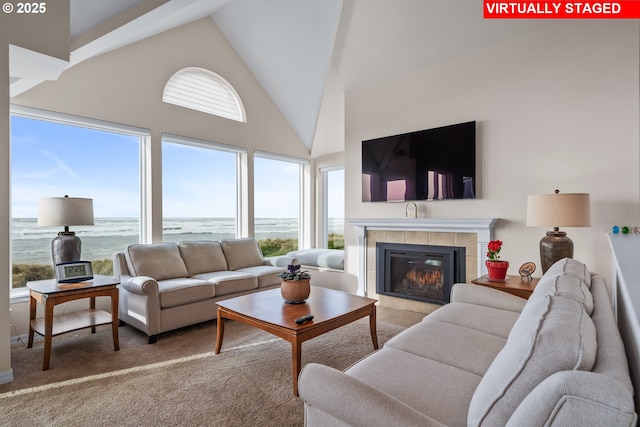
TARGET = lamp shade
(559,210)
(65,211)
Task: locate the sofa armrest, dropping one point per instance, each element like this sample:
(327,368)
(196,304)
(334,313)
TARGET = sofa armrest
(489,297)
(141,285)
(355,402)
(576,398)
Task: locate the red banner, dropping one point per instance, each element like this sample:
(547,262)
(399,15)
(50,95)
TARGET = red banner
(516,9)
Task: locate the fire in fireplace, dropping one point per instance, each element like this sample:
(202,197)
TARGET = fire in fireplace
(419,272)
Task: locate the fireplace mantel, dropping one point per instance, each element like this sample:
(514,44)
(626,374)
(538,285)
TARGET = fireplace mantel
(483,227)
(460,225)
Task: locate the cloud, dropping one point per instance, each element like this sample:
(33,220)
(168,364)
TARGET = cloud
(63,167)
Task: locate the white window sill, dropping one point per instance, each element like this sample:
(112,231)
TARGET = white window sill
(19,295)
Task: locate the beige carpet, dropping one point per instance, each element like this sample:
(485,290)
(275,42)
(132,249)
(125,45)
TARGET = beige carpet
(178,381)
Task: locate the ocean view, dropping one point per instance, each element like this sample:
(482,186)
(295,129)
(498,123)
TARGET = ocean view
(32,244)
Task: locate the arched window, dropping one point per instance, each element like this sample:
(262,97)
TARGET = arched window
(205,91)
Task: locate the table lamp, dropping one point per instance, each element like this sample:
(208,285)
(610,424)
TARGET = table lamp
(65,211)
(557,210)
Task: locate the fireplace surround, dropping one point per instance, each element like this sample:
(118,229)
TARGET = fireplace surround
(474,234)
(419,272)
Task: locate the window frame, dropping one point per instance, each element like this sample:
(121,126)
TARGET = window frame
(240,152)
(22,294)
(303,221)
(324,208)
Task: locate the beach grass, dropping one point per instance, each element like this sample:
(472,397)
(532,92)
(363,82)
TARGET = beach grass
(23,273)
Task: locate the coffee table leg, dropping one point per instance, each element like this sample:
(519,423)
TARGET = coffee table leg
(296,358)
(220,331)
(372,326)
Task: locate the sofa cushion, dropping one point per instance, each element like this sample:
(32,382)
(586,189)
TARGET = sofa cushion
(202,256)
(552,334)
(432,388)
(565,286)
(241,253)
(571,267)
(449,344)
(174,292)
(229,282)
(476,317)
(266,274)
(161,261)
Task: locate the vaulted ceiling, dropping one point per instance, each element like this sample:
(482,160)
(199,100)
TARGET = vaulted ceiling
(291,46)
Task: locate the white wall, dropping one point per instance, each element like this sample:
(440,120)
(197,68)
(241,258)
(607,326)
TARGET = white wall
(556,108)
(125,86)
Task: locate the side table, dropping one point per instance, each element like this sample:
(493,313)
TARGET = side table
(50,293)
(515,285)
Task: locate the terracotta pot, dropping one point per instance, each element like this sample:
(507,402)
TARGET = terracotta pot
(497,270)
(295,291)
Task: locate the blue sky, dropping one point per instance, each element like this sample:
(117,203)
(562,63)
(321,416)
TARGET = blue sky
(52,160)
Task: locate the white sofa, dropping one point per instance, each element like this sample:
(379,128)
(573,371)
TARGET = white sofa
(326,266)
(166,286)
(490,359)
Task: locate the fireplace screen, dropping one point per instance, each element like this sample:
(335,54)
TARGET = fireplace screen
(419,272)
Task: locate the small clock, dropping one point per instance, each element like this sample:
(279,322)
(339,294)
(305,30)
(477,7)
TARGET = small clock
(73,271)
(527,269)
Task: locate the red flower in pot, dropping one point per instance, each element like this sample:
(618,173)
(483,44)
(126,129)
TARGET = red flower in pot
(496,268)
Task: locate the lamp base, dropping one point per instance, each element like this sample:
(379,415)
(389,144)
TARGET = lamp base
(66,247)
(554,247)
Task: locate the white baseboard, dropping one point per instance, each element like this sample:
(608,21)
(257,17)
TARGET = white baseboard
(6,377)
(22,339)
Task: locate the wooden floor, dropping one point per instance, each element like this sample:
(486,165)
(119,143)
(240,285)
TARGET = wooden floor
(398,317)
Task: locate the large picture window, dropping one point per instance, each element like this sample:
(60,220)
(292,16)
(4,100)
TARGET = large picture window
(334,202)
(54,157)
(277,203)
(199,190)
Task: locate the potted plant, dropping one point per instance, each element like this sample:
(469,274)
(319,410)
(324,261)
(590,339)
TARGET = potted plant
(496,268)
(295,287)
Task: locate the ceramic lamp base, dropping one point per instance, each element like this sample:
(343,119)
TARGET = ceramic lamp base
(66,247)
(554,247)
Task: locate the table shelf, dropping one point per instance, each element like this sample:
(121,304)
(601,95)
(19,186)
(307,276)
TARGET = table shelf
(63,323)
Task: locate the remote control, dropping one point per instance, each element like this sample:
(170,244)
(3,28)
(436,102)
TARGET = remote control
(301,320)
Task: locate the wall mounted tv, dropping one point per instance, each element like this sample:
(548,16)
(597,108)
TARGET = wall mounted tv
(431,164)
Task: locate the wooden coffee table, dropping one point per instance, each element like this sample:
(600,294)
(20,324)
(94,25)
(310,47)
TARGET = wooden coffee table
(267,310)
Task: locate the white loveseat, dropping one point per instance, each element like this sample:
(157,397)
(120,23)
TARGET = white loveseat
(325,265)
(490,359)
(166,286)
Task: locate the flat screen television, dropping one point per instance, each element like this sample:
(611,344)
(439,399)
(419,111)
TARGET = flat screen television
(431,164)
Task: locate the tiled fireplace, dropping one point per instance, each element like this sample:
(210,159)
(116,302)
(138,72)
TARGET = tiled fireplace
(471,234)
(419,272)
